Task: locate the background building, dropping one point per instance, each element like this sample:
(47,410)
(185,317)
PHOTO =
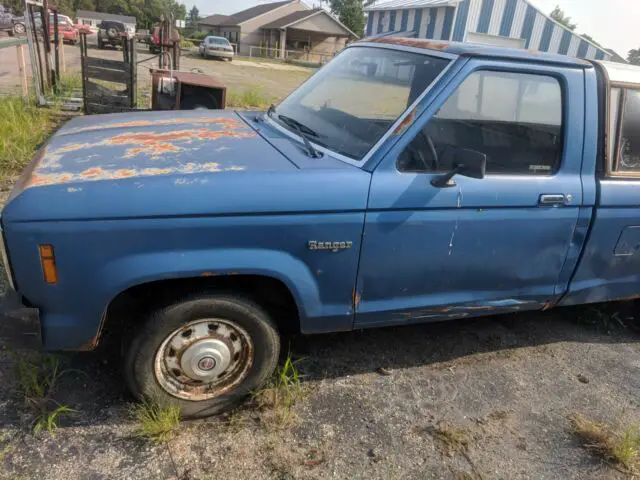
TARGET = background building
(287,29)
(507,23)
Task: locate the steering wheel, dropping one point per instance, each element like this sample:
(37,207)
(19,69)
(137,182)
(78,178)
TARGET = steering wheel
(432,151)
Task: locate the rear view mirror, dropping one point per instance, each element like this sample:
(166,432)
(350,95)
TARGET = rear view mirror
(468,163)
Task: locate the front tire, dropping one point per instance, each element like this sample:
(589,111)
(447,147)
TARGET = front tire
(204,354)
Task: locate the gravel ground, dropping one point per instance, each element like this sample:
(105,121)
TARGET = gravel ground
(373,403)
(274,79)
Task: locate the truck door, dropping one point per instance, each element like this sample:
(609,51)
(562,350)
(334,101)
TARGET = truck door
(609,267)
(486,245)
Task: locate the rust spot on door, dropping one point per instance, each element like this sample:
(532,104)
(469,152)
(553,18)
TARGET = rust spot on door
(406,123)
(356,299)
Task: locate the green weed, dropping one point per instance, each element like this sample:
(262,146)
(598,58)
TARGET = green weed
(156,422)
(618,446)
(37,379)
(249,98)
(70,86)
(277,398)
(48,420)
(23,128)
(450,439)
(37,382)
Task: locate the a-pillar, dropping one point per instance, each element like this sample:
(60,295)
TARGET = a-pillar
(283,43)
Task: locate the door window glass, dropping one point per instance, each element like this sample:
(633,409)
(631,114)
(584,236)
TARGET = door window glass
(629,148)
(614,111)
(514,119)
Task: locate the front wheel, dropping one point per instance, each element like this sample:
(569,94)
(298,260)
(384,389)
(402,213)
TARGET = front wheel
(204,354)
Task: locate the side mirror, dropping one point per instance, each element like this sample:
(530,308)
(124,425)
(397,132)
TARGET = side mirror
(468,163)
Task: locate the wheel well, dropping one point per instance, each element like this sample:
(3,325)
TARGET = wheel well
(132,305)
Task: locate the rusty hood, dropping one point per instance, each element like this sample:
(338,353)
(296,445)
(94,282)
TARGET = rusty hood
(175,164)
(144,144)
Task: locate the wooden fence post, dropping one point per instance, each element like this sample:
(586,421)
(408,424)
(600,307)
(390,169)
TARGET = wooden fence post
(63,64)
(22,70)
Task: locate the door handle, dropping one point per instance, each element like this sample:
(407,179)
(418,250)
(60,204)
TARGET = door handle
(554,200)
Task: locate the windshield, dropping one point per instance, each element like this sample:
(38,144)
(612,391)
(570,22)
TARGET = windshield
(352,102)
(218,41)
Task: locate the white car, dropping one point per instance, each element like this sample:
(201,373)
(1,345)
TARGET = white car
(217,47)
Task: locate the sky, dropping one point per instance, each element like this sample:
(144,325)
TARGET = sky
(612,23)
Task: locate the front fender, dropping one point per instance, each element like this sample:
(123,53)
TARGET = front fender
(134,270)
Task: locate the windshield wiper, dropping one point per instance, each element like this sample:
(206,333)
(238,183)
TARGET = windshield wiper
(302,130)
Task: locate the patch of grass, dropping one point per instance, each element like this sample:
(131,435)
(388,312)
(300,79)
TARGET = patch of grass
(37,381)
(23,128)
(156,422)
(617,446)
(249,98)
(70,86)
(303,63)
(451,439)
(276,399)
(143,97)
(48,420)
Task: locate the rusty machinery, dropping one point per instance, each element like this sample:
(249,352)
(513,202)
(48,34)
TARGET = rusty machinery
(173,89)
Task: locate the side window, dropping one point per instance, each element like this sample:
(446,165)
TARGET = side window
(629,139)
(514,119)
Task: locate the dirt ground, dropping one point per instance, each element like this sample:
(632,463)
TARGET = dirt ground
(275,80)
(374,400)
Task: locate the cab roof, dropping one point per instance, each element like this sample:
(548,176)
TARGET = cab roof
(621,73)
(473,49)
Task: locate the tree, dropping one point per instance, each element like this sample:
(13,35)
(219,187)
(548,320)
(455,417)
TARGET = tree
(559,16)
(147,12)
(351,13)
(194,15)
(634,56)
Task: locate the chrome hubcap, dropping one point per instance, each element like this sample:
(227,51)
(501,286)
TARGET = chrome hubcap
(203,359)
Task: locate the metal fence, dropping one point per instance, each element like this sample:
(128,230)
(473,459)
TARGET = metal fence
(307,56)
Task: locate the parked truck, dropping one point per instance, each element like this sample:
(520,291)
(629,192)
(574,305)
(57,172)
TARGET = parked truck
(406,181)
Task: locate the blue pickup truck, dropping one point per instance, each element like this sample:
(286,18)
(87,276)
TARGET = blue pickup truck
(406,181)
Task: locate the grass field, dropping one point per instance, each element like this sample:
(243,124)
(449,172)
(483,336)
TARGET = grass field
(23,128)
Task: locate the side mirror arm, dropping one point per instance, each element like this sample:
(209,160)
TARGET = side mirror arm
(445,181)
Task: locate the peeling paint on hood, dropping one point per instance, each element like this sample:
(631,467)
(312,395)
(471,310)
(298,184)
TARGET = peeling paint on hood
(111,147)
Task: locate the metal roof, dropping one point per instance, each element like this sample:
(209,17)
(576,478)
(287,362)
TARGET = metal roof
(621,72)
(105,16)
(399,4)
(253,12)
(477,50)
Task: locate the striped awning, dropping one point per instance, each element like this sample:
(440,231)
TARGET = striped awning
(400,4)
